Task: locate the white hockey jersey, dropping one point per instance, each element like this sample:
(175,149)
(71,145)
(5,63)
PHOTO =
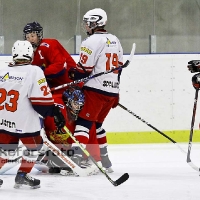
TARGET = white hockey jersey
(23,90)
(100,52)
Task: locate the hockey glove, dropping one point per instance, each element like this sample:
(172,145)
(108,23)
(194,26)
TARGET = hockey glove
(74,74)
(194,66)
(196,81)
(71,73)
(58,117)
(42,68)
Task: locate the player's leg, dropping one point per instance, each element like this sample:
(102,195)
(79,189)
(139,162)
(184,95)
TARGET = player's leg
(93,146)
(86,118)
(33,145)
(101,133)
(102,140)
(8,144)
(81,133)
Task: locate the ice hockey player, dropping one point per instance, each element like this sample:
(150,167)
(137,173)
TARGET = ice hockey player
(71,104)
(50,55)
(25,95)
(99,52)
(194,67)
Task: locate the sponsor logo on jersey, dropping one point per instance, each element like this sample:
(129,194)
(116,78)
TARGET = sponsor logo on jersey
(110,43)
(59,105)
(9,124)
(42,80)
(86,50)
(87,115)
(18,130)
(44,44)
(9,78)
(111,84)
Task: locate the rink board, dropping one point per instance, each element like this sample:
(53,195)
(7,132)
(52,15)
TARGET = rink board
(158,89)
(151,137)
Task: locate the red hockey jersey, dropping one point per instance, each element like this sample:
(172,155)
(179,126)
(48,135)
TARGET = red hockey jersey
(52,57)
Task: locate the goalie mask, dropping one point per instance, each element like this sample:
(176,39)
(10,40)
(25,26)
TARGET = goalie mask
(33,28)
(95,18)
(74,100)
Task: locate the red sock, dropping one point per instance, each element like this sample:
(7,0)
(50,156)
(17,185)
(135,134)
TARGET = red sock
(26,166)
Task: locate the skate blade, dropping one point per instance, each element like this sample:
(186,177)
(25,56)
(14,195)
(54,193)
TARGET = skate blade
(35,187)
(109,170)
(93,171)
(18,186)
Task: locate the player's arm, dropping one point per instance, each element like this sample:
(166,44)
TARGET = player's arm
(59,60)
(42,101)
(86,63)
(40,95)
(78,72)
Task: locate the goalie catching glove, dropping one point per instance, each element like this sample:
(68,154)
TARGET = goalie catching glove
(58,117)
(194,66)
(196,81)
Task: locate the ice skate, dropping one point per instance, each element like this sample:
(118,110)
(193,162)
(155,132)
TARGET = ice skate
(22,178)
(106,163)
(92,169)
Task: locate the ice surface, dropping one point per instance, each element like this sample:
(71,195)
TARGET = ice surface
(157,172)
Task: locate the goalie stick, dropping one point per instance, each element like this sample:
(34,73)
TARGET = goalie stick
(119,181)
(76,169)
(101,73)
(173,141)
(191,132)
(16,159)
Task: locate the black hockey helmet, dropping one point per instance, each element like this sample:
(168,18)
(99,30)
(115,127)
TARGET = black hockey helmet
(33,27)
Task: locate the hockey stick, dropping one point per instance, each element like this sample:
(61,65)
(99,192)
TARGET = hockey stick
(119,181)
(191,132)
(148,124)
(99,74)
(76,169)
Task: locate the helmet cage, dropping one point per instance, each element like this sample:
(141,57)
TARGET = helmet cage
(33,27)
(95,18)
(75,106)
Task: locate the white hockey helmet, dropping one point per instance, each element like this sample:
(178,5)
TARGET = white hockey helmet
(96,17)
(22,50)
